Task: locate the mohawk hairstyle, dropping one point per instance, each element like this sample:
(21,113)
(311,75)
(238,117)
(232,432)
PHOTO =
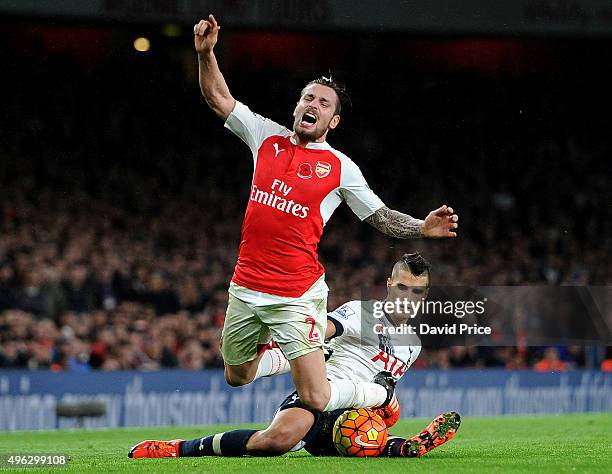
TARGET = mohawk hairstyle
(343,98)
(413,263)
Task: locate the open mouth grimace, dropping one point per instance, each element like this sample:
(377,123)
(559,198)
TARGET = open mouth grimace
(309,118)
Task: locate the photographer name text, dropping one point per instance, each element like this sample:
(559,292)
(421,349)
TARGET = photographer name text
(423,329)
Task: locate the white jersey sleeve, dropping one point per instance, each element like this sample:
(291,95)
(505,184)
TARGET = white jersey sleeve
(356,192)
(252,128)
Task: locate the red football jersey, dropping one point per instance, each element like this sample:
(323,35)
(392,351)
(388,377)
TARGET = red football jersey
(294,192)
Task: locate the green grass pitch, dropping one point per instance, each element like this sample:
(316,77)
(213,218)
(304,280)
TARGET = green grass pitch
(567,443)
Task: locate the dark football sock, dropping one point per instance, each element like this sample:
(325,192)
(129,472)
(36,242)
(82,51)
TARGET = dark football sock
(230,443)
(197,447)
(393,448)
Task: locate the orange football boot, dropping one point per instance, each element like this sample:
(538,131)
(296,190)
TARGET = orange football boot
(152,448)
(391,413)
(441,430)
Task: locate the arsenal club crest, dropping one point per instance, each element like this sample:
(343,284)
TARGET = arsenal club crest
(322,169)
(305,171)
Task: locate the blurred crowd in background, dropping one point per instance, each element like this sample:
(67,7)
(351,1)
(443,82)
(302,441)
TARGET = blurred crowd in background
(122,197)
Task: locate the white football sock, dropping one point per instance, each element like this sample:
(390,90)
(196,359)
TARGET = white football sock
(273,362)
(349,394)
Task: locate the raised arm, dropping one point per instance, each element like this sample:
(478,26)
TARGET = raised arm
(212,84)
(439,223)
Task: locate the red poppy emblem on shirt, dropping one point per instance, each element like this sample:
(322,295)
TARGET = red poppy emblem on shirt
(305,171)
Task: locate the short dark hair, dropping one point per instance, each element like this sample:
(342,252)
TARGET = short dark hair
(339,89)
(413,263)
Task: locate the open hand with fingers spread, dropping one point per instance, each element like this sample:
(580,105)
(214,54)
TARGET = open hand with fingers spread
(205,35)
(440,223)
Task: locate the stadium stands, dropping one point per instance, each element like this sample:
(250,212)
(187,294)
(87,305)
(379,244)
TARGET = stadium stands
(122,199)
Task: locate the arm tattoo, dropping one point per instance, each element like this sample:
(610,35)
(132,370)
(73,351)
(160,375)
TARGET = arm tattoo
(395,224)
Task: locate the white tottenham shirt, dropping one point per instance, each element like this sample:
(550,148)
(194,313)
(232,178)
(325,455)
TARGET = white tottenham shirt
(360,354)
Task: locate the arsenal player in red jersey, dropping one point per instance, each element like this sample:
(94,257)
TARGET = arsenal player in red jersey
(278,288)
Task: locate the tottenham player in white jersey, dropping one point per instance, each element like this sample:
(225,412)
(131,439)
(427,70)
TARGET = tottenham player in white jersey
(357,353)
(278,288)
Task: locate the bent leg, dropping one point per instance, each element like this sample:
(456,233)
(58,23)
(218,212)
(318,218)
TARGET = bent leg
(298,328)
(242,332)
(310,379)
(288,428)
(270,361)
(286,431)
(243,374)
(309,376)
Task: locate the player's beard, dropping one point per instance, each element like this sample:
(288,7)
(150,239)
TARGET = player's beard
(310,135)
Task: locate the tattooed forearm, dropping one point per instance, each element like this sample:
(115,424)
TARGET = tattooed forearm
(395,224)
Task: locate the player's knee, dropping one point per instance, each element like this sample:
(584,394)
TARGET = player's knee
(315,399)
(235,379)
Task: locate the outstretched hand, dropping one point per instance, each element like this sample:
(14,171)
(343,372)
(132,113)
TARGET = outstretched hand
(440,223)
(205,34)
